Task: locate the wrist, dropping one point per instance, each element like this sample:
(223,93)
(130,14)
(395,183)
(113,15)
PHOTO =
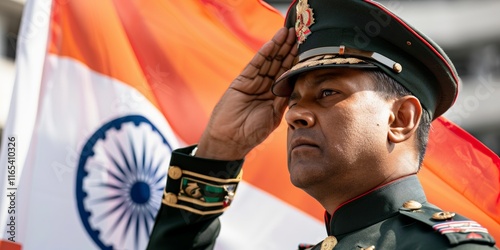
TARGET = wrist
(219,151)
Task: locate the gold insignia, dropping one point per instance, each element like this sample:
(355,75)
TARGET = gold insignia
(325,60)
(397,68)
(174,172)
(412,205)
(169,198)
(304,20)
(445,215)
(329,243)
(369,248)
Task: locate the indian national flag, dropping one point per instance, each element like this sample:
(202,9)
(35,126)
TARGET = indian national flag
(105,90)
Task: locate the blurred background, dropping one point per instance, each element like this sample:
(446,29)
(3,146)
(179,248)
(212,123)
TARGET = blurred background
(468,30)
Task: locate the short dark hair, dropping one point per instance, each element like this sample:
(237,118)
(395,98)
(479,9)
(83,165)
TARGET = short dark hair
(389,88)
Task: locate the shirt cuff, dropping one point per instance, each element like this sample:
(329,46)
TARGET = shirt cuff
(201,186)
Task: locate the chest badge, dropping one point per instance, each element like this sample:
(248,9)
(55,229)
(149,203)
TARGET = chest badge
(304,20)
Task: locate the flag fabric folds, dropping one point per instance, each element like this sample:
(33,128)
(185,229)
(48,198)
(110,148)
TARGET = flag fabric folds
(105,90)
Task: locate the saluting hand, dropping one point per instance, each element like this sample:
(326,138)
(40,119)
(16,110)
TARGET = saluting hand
(248,112)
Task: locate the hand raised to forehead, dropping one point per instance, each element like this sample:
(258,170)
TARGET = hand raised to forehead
(248,111)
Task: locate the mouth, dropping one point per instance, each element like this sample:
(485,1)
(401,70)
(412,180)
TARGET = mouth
(300,143)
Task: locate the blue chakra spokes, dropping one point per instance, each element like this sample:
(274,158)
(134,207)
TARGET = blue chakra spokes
(120,181)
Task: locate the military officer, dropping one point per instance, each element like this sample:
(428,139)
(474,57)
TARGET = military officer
(358,87)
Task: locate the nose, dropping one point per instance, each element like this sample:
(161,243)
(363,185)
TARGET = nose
(299,117)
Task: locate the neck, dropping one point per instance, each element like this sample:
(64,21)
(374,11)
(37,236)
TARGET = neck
(337,193)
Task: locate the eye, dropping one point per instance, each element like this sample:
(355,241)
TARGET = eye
(292,100)
(327,92)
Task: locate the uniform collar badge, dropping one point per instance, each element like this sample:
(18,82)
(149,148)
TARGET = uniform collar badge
(304,20)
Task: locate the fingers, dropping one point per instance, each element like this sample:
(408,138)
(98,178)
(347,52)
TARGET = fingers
(289,59)
(280,47)
(261,62)
(285,55)
(273,58)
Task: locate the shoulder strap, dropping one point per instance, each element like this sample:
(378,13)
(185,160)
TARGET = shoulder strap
(457,229)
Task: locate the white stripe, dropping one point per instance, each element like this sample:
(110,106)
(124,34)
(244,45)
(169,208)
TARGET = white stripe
(74,103)
(31,47)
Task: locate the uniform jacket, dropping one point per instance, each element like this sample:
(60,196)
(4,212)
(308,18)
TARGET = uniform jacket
(393,216)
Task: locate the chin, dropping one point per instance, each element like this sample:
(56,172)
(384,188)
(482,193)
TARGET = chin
(302,179)
(306,174)
(308,185)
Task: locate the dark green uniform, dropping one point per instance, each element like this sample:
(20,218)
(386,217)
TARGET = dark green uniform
(382,218)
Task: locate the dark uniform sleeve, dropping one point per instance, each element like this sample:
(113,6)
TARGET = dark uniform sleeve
(197,192)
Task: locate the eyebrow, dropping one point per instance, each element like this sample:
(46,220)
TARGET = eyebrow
(318,79)
(293,96)
(325,76)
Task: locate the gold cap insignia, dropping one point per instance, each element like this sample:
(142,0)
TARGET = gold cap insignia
(304,20)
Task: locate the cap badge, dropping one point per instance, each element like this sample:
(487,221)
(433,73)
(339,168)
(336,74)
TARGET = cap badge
(304,20)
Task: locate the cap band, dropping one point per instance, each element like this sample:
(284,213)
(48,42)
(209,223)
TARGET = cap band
(326,60)
(345,51)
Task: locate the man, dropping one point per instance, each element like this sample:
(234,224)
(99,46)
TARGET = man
(358,103)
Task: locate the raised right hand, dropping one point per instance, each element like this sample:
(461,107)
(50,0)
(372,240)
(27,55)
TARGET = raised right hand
(248,112)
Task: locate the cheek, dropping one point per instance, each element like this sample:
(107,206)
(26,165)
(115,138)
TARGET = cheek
(361,124)
(374,123)
(341,133)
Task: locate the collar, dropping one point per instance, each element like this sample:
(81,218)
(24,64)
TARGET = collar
(374,206)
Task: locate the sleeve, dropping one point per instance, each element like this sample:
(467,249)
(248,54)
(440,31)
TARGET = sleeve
(198,191)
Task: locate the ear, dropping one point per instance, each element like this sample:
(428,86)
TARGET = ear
(405,118)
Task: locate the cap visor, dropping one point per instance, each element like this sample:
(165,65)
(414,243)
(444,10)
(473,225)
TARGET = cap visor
(283,86)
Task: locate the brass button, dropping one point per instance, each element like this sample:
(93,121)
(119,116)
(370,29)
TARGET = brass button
(397,68)
(412,205)
(329,243)
(174,172)
(170,199)
(443,215)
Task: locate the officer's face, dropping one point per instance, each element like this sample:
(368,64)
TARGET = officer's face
(337,128)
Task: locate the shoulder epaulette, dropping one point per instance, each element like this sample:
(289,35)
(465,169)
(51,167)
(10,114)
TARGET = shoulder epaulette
(457,229)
